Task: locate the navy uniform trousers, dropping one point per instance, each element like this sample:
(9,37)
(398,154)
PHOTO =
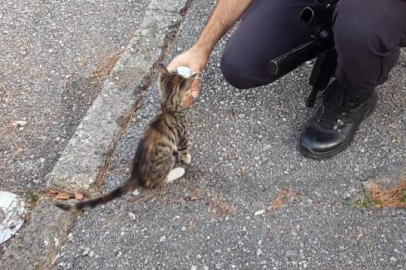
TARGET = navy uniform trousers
(368,36)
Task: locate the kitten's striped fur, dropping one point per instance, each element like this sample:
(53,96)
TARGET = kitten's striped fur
(163,138)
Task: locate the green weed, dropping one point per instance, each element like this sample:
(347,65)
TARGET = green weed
(32,197)
(364,202)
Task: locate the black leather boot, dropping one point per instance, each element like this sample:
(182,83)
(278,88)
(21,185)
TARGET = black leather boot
(333,128)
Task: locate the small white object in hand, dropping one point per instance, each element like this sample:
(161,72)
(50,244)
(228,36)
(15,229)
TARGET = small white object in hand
(187,72)
(184,71)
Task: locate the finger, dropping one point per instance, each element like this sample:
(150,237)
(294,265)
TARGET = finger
(171,66)
(195,88)
(195,93)
(195,84)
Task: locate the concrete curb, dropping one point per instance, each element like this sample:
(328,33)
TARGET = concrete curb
(86,156)
(94,138)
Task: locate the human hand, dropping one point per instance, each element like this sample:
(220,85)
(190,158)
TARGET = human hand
(196,61)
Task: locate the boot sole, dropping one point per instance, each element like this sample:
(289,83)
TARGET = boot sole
(307,152)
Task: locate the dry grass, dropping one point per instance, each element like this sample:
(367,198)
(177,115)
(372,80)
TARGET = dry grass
(392,197)
(279,200)
(107,65)
(103,172)
(19,150)
(6,129)
(147,196)
(7,92)
(8,136)
(219,205)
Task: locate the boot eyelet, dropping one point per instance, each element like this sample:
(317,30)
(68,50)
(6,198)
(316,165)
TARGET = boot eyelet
(335,127)
(340,122)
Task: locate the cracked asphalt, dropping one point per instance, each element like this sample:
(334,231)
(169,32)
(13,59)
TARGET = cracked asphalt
(244,154)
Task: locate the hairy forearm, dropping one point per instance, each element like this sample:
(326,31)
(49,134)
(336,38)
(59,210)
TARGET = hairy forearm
(224,16)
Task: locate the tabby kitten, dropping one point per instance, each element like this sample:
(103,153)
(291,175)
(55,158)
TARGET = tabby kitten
(162,139)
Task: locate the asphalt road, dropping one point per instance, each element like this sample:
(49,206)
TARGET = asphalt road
(48,51)
(244,153)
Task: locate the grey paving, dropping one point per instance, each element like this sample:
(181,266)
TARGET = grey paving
(36,245)
(243,146)
(48,50)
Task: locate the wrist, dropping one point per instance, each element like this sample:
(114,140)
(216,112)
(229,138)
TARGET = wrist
(203,50)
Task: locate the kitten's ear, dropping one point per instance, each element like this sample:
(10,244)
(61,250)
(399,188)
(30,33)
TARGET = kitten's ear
(162,69)
(189,81)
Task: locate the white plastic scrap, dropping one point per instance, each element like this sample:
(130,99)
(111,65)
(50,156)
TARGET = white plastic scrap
(11,215)
(260,212)
(19,123)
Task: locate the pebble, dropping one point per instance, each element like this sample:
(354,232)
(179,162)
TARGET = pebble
(19,123)
(259,252)
(131,215)
(291,253)
(163,239)
(85,252)
(267,147)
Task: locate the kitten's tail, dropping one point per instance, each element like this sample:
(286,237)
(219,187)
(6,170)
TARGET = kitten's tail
(129,185)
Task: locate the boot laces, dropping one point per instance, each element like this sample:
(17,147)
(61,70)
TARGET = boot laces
(336,108)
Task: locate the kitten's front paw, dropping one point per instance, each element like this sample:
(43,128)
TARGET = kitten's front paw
(187,159)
